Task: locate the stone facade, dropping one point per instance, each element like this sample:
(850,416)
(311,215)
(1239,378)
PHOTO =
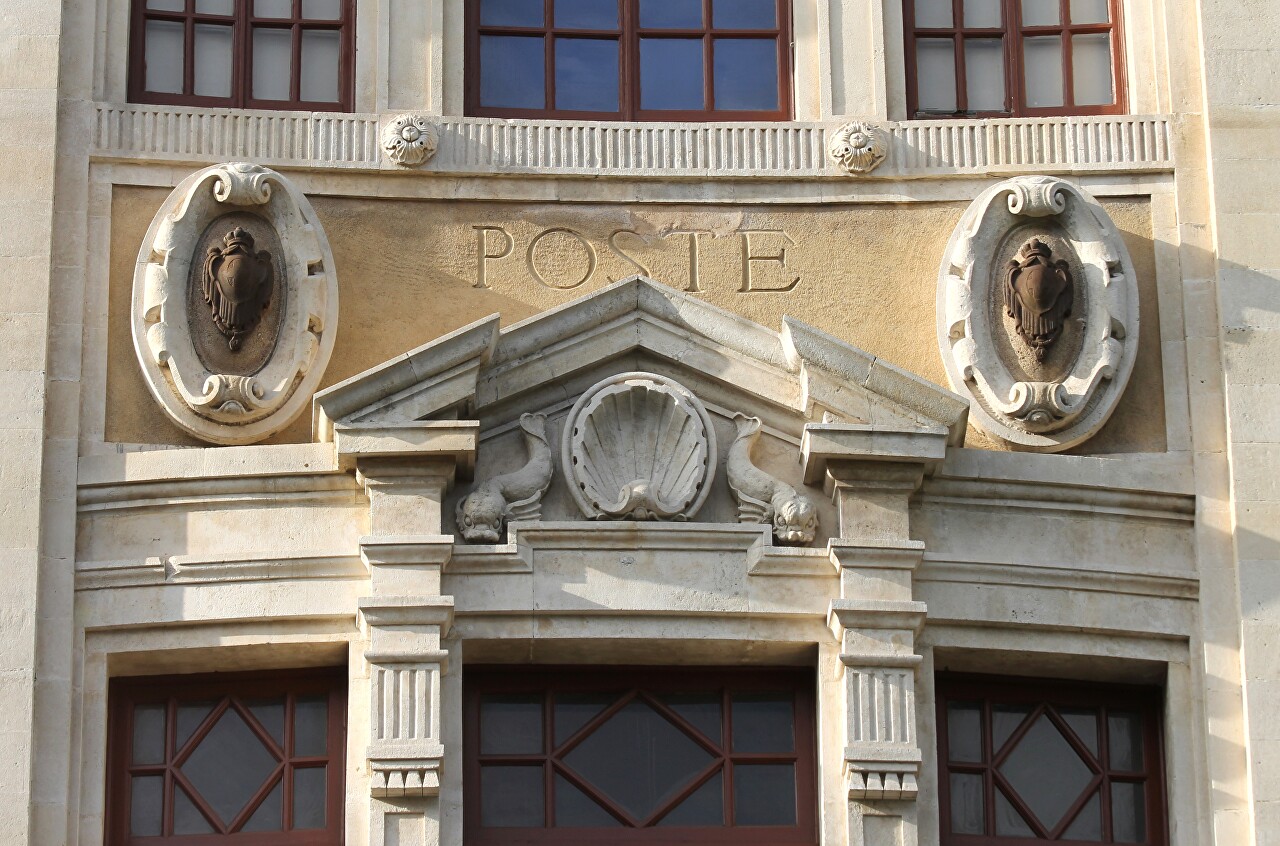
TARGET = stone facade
(470,308)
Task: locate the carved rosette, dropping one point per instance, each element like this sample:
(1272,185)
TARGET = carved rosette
(235,304)
(1038,313)
(639,446)
(410,140)
(858,147)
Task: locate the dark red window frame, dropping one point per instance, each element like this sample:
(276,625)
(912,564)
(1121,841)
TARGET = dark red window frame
(1012,32)
(242,23)
(226,688)
(629,34)
(626,681)
(1038,693)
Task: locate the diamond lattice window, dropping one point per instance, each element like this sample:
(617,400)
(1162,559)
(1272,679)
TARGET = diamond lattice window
(639,756)
(1048,762)
(253,759)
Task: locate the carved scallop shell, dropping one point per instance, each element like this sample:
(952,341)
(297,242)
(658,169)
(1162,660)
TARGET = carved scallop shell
(639,446)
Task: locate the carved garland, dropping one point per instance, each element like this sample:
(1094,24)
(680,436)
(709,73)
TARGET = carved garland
(235,304)
(1051,376)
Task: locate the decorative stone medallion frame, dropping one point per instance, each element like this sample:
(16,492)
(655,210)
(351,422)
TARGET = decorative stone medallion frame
(1069,400)
(245,405)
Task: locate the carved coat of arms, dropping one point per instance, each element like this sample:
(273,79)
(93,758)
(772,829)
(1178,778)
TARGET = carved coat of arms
(237,285)
(1038,293)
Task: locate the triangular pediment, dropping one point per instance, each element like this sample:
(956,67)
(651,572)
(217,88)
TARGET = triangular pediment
(796,375)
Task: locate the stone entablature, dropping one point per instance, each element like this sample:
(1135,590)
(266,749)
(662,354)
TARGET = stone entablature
(782,150)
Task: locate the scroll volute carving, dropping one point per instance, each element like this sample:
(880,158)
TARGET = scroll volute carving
(483,514)
(1038,292)
(763,498)
(237,283)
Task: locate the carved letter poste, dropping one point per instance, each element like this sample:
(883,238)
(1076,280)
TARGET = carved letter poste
(1037,294)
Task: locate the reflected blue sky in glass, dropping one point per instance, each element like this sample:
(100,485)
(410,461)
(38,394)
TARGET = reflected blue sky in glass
(671,73)
(587,14)
(587,74)
(746,74)
(511,12)
(512,73)
(671,14)
(744,14)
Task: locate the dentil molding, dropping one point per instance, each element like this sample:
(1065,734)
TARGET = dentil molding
(235,304)
(1037,313)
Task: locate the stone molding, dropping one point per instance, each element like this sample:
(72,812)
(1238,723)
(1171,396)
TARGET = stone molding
(784,150)
(265,391)
(1057,403)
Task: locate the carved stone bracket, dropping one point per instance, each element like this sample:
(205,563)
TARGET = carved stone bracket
(858,147)
(235,304)
(1038,312)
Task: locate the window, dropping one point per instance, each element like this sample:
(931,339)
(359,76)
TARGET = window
(256,54)
(639,755)
(1033,762)
(630,59)
(997,58)
(256,758)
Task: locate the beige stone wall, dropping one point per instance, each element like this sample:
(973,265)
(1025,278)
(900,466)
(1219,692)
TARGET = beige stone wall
(411,271)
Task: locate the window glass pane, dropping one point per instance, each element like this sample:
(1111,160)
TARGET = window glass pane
(167,5)
(213,60)
(164,57)
(512,72)
(308,797)
(671,14)
(1042,70)
(700,710)
(933,13)
(587,74)
(229,765)
(705,806)
(322,10)
(216,7)
(273,8)
(984,74)
(1090,11)
(511,725)
(1009,823)
(270,713)
(1124,741)
(1128,812)
(1040,12)
(763,722)
(1005,720)
(968,815)
(145,805)
(269,815)
(1084,722)
(964,731)
(671,73)
(1046,772)
(511,797)
(983,13)
(1091,69)
(272,53)
(190,717)
(148,734)
(746,74)
(638,759)
(187,818)
(764,794)
(587,14)
(321,60)
(310,717)
(511,13)
(936,74)
(575,809)
(744,14)
(575,710)
(1088,823)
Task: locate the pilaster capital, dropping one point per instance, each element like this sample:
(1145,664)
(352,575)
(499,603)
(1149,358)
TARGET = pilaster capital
(841,452)
(445,448)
